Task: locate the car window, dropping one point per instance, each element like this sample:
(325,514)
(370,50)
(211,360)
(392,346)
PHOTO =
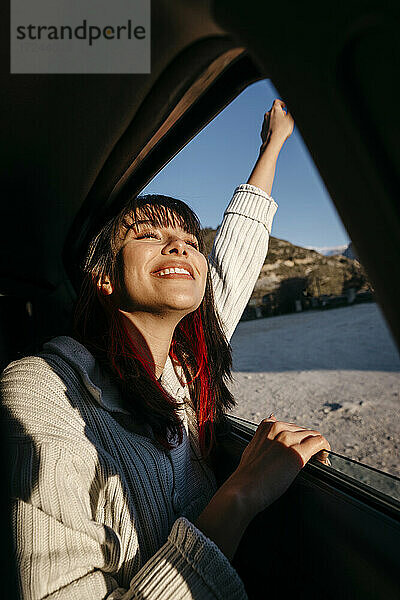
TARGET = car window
(354,471)
(312,346)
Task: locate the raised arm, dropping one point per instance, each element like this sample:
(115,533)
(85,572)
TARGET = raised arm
(241,243)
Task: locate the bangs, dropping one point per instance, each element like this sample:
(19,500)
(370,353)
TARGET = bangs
(160,211)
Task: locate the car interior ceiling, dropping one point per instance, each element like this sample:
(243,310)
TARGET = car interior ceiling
(83,140)
(75,146)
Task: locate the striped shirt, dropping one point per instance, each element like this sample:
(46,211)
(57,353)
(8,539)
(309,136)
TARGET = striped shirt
(100,512)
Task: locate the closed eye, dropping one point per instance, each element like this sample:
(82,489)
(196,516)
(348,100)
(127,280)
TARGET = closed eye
(147,234)
(157,236)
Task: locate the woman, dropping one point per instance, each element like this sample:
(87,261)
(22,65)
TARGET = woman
(113,430)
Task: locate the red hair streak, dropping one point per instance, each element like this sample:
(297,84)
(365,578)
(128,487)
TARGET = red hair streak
(122,344)
(192,328)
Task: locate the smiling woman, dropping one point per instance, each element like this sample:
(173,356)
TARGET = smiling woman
(132,314)
(114,429)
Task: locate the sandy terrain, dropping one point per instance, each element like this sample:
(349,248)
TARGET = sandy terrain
(336,370)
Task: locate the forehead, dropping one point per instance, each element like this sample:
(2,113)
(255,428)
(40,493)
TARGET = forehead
(160,217)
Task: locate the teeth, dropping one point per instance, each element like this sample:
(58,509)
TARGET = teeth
(173,270)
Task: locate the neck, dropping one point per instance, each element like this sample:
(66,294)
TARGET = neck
(153,334)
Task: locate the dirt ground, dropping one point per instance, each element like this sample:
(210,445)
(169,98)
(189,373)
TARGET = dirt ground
(337,371)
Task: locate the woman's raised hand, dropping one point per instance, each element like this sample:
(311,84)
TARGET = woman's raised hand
(277,123)
(277,127)
(271,461)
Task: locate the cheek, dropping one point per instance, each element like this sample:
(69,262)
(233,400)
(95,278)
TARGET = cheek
(131,282)
(203,270)
(134,260)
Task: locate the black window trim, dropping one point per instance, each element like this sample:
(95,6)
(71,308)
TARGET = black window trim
(328,478)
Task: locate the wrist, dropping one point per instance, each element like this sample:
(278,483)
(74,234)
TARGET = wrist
(225,518)
(273,143)
(238,497)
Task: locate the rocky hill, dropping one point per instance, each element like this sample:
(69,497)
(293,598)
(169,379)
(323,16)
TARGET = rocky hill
(292,272)
(351,252)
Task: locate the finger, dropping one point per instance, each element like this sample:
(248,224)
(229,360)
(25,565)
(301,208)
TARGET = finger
(279,426)
(323,457)
(288,423)
(277,103)
(312,445)
(271,428)
(290,437)
(266,119)
(270,419)
(272,416)
(264,130)
(326,444)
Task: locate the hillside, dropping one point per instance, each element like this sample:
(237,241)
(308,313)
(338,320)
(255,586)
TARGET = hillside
(294,271)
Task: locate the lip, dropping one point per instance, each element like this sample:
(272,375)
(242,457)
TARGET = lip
(179,265)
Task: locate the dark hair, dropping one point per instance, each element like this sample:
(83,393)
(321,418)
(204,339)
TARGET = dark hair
(199,345)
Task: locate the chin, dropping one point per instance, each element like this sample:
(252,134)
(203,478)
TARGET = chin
(184,305)
(180,298)
(185,309)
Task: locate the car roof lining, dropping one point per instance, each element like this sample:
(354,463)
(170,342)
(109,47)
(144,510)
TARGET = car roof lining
(196,89)
(200,100)
(68,139)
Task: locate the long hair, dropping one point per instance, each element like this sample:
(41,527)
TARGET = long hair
(198,346)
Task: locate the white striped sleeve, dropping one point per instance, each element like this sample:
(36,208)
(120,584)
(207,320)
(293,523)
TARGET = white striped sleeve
(188,566)
(64,554)
(239,251)
(69,505)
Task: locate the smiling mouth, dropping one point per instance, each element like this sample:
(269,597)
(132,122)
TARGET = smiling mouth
(174,273)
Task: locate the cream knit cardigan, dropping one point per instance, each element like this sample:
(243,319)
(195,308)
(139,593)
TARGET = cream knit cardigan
(101,512)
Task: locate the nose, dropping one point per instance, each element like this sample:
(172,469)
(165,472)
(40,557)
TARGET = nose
(175,246)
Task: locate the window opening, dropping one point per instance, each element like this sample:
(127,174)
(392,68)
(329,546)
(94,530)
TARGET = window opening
(312,345)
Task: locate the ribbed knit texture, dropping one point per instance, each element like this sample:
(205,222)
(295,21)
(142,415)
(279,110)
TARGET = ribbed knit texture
(101,512)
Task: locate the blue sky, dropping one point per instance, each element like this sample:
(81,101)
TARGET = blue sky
(205,173)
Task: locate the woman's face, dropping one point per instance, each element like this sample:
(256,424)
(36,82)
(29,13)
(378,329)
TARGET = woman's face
(163,270)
